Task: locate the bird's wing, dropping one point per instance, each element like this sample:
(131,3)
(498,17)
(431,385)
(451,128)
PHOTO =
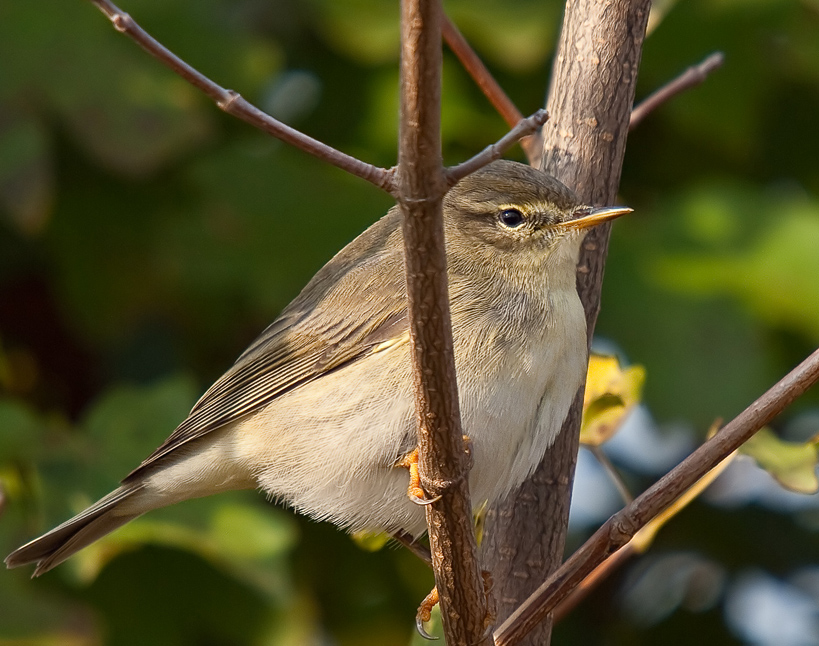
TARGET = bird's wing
(355,303)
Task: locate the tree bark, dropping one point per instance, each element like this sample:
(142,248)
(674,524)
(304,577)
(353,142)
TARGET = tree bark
(589,101)
(443,469)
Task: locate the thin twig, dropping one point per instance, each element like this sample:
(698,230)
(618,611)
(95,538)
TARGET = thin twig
(412,544)
(642,540)
(495,151)
(488,85)
(621,527)
(691,77)
(442,460)
(613,474)
(233,103)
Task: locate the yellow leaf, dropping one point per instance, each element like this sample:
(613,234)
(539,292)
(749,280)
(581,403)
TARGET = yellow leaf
(611,392)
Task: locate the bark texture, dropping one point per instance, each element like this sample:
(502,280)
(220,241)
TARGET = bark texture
(442,461)
(589,102)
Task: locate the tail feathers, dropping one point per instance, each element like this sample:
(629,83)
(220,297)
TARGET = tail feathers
(56,546)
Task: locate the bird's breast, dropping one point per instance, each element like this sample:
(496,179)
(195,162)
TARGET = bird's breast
(519,366)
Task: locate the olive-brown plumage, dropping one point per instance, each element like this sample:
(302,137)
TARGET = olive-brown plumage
(318,410)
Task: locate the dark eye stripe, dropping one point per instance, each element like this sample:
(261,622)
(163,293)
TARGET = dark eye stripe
(511,218)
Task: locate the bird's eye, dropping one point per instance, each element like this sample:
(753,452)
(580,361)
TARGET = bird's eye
(511,218)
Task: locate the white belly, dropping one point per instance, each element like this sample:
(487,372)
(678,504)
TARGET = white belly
(514,412)
(328,447)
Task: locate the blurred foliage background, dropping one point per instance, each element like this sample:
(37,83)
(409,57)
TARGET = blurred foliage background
(146,238)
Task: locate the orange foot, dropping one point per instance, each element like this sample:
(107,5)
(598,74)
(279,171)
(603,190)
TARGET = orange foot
(415,492)
(424,613)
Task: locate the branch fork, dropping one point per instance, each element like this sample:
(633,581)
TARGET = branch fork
(418,184)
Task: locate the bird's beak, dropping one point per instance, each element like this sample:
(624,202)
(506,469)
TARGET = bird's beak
(586,216)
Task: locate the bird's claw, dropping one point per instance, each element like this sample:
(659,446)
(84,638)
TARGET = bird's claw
(422,500)
(419,626)
(470,458)
(424,613)
(486,632)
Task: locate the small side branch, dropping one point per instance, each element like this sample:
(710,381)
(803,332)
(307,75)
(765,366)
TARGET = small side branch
(495,151)
(691,77)
(642,540)
(487,83)
(233,103)
(621,527)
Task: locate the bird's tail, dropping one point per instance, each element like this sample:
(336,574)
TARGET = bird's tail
(51,549)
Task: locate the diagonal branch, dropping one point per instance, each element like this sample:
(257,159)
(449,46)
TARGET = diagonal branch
(495,151)
(621,527)
(691,77)
(487,83)
(442,461)
(233,103)
(642,540)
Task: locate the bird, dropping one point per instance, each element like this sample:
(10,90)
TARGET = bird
(318,412)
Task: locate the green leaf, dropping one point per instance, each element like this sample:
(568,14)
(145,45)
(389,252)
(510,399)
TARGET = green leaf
(244,537)
(370,541)
(792,464)
(128,422)
(21,431)
(251,532)
(773,274)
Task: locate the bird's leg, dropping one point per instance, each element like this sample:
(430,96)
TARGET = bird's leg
(409,462)
(424,613)
(417,495)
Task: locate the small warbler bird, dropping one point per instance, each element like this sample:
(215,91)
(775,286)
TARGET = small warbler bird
(319,410)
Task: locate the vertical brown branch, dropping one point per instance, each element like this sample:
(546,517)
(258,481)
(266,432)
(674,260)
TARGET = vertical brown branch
(590,99)
(422,185)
